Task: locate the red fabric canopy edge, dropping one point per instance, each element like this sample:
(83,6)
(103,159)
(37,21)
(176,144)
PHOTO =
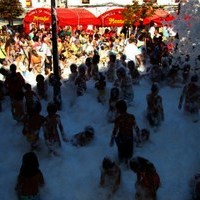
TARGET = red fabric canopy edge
(65,16)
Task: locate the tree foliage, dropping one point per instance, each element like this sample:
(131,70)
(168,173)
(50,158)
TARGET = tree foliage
(10,9)
(136,12)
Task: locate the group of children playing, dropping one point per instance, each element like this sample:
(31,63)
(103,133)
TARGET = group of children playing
(26,108)
(126,132)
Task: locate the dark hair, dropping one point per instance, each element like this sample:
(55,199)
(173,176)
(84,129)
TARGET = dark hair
(88,61)
(131,64)
(114,92)
(112,57)
(154,87)
(73,67)
(52,108)
(96,58)
(30,165)
(36,38)
(89,129)
(107,163)
(121,106)
(27,86)
(13,67)
(39,78)
(139,164)
(82,68)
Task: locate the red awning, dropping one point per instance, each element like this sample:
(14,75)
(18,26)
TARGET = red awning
(112,18)
(65,16)
(38,15)
(76,16)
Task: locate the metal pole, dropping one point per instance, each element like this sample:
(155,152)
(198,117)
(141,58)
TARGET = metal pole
(66,4)
(179,8)
(56,76)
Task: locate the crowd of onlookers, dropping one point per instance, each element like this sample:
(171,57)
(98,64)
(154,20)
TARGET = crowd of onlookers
(33,51)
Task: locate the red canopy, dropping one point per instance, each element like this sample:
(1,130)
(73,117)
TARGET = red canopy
(37,16)
(112,17)
(65,16)
(76,16)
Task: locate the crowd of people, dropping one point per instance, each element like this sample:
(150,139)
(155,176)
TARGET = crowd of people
(105,57)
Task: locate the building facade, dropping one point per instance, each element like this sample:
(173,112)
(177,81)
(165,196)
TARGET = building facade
(30,4)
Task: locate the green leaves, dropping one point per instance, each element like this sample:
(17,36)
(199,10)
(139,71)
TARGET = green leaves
(10,9)
(136,12)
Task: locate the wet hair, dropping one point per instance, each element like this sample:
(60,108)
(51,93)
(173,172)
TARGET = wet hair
(107,163)
(52,108)
(154,87)
(30,164)
(89,129)
(39,78)
(13,68)
(139,164)
(121,106)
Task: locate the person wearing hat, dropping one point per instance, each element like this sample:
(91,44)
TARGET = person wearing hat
(190,96)
(155,111)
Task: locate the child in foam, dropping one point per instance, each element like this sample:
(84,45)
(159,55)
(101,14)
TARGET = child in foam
(52,126)
(30,178)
